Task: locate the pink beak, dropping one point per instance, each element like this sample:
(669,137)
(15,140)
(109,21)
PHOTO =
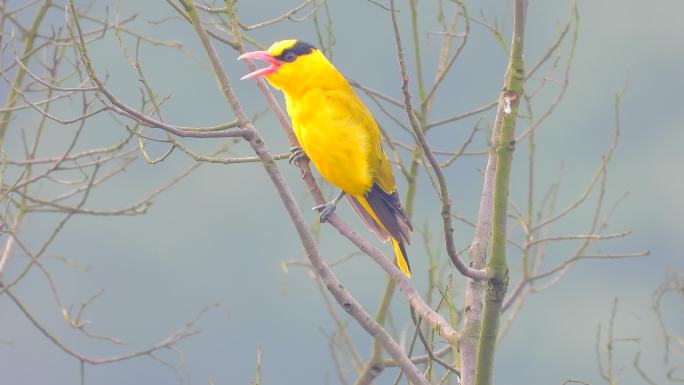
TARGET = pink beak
(261,55)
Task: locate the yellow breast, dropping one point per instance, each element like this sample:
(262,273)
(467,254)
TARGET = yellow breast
(335,137)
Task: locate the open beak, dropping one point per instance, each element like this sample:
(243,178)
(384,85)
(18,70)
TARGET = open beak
(261,55)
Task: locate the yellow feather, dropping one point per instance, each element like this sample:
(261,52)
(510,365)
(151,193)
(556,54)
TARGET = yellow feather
(401,259)
(335,129)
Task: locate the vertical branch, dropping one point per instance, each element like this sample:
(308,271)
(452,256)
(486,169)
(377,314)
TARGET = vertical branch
(375,366)
(416,48)
(497,266)
(472,312)
(29,39)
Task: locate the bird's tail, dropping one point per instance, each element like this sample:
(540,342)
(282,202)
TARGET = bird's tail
(382,214)
(402,258)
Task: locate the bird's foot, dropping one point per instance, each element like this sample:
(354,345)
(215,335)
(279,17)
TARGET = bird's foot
(296,153)
(325,210)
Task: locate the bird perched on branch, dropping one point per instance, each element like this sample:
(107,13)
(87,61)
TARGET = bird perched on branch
(340,137)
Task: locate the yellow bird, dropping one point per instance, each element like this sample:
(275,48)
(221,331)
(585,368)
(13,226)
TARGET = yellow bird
(340,137)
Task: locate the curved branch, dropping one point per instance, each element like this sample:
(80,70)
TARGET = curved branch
(443,190)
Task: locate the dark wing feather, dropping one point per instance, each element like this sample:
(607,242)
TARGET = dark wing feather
(387,207)
(367,219)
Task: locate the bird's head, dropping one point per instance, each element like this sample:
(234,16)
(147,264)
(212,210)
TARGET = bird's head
(292,62)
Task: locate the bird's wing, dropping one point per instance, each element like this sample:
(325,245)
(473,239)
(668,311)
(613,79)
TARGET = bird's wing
(385,188)
(389,221)
(367,218)
(387,208)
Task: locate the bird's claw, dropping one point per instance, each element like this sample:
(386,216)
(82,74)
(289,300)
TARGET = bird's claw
(296,153)
(325,210)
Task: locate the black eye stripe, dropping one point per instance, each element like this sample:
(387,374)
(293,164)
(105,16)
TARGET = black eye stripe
(300,48)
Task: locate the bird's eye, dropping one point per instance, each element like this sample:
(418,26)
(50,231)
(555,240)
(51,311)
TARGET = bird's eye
(290,57)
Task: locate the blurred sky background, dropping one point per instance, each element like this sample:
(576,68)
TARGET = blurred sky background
(221,234)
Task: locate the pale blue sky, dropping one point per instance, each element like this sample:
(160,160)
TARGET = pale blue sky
(221,234)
